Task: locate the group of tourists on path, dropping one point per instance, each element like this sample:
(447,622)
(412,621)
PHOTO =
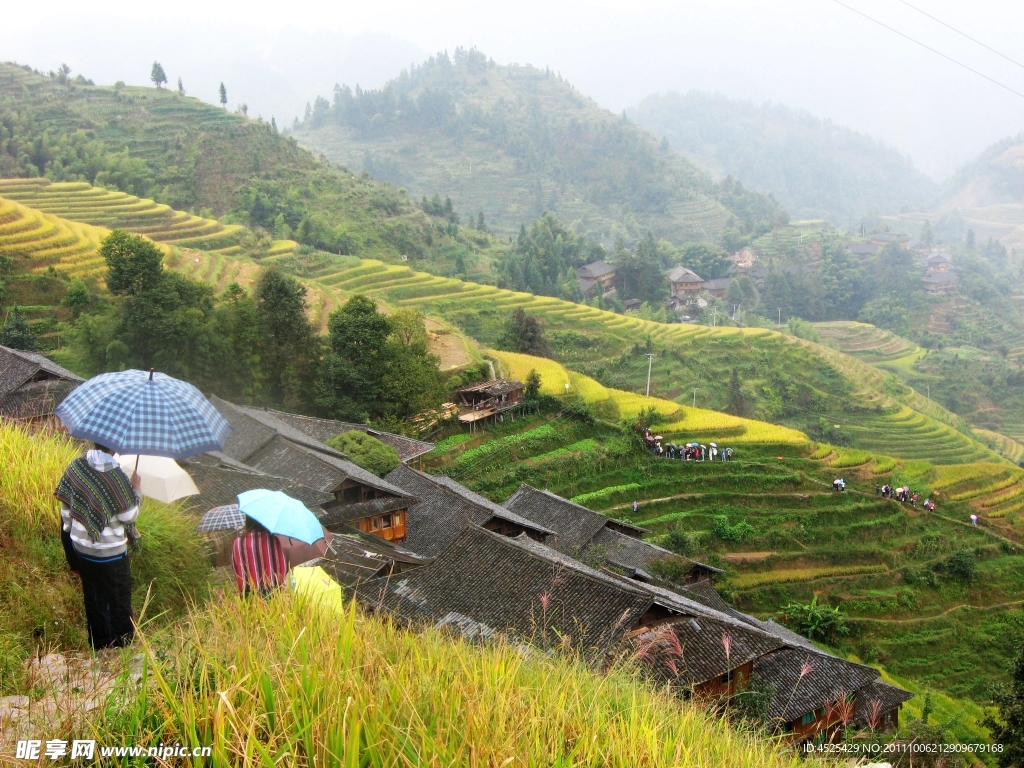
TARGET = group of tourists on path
(904,495)
(687,451)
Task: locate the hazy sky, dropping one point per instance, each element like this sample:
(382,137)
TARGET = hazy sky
(813,54)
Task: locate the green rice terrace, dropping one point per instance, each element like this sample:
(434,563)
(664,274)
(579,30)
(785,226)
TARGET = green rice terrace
(982,386)
(929,597)
(785,380)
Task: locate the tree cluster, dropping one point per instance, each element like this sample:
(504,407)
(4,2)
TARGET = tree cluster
(255,347)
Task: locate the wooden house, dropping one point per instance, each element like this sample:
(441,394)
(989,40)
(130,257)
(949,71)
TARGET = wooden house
(262,441)
(683,281)
(717,287)
(885,238)
(489,399)
(939,282)
(617,543)
(446,508)
(31,386)
(596,278)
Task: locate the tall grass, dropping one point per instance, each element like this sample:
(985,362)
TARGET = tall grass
(285,682)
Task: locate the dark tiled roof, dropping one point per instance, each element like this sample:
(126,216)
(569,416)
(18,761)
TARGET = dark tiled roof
(594,270)
(495,387)
(324,429)
(444,510)
(352,558)
(702,641)
(862,248)
(683,274)
(31,385)
(247,435)
(574,525)
(219,485)
(826,679)
(336,514)
(877,697)
(938,278)
(705,593)
(631,553)
(36,398)
(503,583)
(297,436)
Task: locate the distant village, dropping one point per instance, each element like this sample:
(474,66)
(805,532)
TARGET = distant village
(689,291)
(538,570)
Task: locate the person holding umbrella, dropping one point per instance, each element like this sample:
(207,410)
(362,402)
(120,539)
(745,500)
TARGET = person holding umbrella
(99,505)
(258,557)
(127,412)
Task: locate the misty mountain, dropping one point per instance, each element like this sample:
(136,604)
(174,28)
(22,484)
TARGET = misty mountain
(815,168)
(996,176)
(515,141)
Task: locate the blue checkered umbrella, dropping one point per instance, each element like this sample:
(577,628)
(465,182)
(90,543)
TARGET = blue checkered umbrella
(151,414)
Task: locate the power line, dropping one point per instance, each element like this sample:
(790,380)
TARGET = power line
(964,34)
(928,47)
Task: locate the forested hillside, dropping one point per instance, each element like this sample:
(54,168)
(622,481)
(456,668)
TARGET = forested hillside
(515,141)
(180,151)
(813,167)
(995,177)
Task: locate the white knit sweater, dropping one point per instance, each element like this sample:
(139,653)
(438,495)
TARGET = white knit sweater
(113,540)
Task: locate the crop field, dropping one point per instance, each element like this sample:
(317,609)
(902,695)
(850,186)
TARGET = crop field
(882,562)
(111,209)
(845,391)
(870,344)
(677,422)
(36,241)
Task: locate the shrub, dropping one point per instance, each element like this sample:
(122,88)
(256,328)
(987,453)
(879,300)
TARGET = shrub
(726,532)
(366,451)
(816,622)
(962,565)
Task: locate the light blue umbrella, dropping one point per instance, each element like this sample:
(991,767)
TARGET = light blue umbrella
(281,514)
(146,413)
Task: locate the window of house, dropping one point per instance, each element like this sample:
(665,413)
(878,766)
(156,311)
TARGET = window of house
(386,521)
(808,718)
(398,519)
(351,494)
(375,523)
(727,677)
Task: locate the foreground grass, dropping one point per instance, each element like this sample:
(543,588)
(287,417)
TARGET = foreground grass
(286,681)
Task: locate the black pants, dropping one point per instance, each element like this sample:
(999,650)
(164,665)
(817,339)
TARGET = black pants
(107,589)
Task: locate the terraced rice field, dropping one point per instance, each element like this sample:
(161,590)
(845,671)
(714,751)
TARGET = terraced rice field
(44,240)
(910,434)
(870,344)
(679,423)
(81,202)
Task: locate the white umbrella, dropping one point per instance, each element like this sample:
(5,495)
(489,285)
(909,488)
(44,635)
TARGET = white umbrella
(162,478)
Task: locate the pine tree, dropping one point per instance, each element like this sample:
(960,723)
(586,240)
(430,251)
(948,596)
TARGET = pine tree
(181,88)
(157,75)
(1008,728)
(17,334)
(223,96)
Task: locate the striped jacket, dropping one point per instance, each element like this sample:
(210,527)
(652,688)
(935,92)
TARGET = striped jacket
(258,561)
(113,541)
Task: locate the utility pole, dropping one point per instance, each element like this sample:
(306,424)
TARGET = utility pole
(695,397)
(929,391)
(714,317)
(780,315)
(650,362)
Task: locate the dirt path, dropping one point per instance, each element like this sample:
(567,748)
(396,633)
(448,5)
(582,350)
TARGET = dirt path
(701,495)
(919,619)
(747,557)
(446,345)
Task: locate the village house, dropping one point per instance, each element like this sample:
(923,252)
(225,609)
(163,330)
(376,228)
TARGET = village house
(580,530)
(596,278)
(717,287)
(262,441)
(684,282)
(939,261)
(939,282)
(445,509)
(862,250)
(31,386)
(488,400)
